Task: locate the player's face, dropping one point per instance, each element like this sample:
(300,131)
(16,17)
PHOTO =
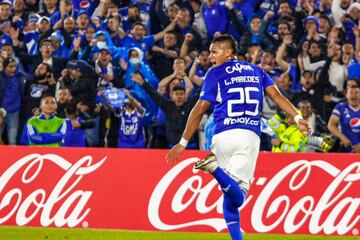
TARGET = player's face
(219,53)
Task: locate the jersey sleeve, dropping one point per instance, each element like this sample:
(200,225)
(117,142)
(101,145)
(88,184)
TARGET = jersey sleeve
(266,79)
(337,110)
(149,41)
(209,88)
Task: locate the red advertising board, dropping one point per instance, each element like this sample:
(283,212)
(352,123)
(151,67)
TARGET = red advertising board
(138,190)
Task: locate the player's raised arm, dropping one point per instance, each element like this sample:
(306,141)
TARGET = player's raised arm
(191,125)
(287,107)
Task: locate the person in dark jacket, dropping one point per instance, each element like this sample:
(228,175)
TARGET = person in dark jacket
(176,110)
(80,78)
(46,50)
(12,88)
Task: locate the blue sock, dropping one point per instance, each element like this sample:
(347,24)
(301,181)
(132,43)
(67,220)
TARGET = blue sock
(232,219)
(230,188)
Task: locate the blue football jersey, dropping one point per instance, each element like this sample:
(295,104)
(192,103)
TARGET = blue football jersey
(131,133)
(237,90)
(349,121)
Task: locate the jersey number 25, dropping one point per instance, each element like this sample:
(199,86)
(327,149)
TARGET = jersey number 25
(244,98)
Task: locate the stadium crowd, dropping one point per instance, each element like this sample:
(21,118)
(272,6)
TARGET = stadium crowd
(62,62)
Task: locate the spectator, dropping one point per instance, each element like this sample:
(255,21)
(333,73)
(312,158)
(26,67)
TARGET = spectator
(324,26)
(5,11)
(80,79)
(75,135)
(107,74)
(311,58)
(46,50)
(82,21)
(165,18)
(46,129)
(62,100)
(176,110)
(199,68)
(216,18)
(163,56)
(51,11)
(346,115)
(288,138)
(136,65)
(139,39)
(178,74)
(184,27)
(131,132)
(338,9)
(335,72)
(42,82)
(285,66)
(318,140)
(312,90)
(255,34)
(12,88)
(199,22)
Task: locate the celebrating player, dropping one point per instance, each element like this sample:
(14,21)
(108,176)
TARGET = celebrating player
(236,88)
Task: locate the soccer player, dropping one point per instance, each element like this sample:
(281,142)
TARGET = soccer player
(236,88)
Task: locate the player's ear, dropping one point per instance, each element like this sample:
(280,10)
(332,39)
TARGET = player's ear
(228,52)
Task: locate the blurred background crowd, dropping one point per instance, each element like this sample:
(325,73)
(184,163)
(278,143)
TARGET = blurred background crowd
(127,73)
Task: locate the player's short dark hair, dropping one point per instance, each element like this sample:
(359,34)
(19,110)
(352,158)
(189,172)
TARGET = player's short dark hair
(229,39)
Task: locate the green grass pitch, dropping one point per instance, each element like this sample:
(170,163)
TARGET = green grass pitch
(32,233)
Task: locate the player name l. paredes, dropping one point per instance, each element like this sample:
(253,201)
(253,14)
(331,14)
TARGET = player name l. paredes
(31,166)
(332,200)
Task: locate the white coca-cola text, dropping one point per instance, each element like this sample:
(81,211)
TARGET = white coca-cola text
(342,211)
(44,202)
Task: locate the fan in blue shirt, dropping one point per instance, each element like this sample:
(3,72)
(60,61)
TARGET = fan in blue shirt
(347,116)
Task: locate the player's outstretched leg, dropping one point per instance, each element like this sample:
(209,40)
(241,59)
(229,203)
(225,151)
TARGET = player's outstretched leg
(229,186)
(232,219)
(234,196)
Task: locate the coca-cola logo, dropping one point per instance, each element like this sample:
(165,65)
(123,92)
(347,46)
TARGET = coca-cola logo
(40,202)
(331,211)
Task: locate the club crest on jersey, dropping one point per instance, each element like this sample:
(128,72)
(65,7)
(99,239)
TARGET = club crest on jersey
(238,67)
(355,124)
